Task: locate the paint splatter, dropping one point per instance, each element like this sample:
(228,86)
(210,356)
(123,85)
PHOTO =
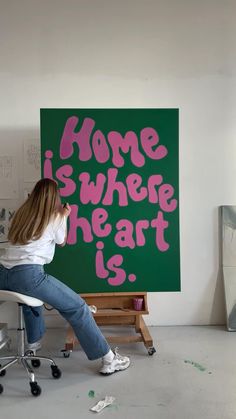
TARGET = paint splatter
(91,394)
(195,364)
(113,406)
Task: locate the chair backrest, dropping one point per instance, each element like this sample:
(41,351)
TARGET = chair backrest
(16,297)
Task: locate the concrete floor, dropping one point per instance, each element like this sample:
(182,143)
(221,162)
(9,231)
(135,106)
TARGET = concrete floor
(192,376)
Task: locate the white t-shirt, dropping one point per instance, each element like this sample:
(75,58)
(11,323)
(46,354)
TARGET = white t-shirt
(39,251)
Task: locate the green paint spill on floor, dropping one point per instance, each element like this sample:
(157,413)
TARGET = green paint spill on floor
(91,394)
(113,406)
(195,364)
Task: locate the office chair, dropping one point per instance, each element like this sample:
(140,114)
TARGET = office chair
(21,356)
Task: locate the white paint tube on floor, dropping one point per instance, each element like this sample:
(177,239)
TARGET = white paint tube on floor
(102,403)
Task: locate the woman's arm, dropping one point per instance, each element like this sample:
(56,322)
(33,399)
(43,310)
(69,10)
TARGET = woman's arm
(65,212)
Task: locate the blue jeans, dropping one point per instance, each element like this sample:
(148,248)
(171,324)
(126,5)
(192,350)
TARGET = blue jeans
(33,281)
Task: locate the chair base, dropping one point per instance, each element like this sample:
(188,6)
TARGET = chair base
(23,358)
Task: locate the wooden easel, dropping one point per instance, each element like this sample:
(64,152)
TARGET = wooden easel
(116,309)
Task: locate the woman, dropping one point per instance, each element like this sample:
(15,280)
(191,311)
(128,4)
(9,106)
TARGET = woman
(38,225)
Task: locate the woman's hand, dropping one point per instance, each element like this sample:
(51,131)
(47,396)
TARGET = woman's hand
(66,209)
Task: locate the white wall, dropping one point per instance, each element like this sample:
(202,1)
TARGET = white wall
(137,53)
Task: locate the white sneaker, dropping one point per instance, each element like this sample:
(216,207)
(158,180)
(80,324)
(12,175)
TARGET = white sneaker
(118,363)
(34,346)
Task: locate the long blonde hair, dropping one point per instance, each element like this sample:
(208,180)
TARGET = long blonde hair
(31,219)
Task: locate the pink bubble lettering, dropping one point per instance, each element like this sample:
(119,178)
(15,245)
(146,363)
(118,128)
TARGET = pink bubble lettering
(132,277)
(112,186)
(89,191)
(63,174)
(47,166)
(101,271)
(149,138)
(78,222)
(100,147)
(153,181)
(160,225)
(82,138)
(134,182)
(124,237)
(166,192)
(140,226)
(99,217)
(120,275)
(129,142)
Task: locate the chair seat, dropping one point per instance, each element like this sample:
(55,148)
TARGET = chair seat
(16,297)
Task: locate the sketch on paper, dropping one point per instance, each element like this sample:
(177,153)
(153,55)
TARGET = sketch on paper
(3,214)
(6,167)
(3,232)
(6,215)
(31,160)
(8,177)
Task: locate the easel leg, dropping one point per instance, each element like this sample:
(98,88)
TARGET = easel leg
(137,323)
(70,342)
(147,339)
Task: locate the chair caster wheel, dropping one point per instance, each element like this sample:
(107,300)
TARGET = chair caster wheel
(56,372)
(151,350)
(29,353)
(66,353)
(35,363)
(35,389)
(3,372)
(1,389)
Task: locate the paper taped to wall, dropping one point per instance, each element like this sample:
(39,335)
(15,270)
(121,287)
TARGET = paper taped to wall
(31,160)
(8,178)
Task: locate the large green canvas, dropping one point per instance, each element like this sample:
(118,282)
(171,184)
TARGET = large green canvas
(148,260)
